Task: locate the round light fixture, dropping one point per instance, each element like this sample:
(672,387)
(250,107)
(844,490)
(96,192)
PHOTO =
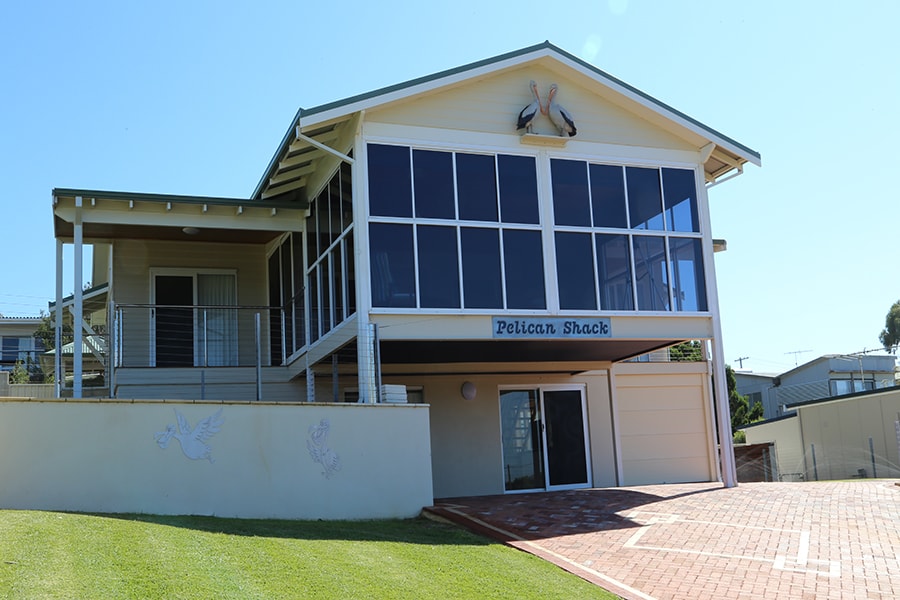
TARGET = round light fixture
(468,390)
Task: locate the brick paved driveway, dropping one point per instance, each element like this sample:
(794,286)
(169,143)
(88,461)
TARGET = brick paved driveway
(837,539)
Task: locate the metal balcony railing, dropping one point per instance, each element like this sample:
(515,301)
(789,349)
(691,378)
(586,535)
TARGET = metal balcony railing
(152,335)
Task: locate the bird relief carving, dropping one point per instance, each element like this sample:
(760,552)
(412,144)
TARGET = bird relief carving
(559,116)
(192,441)
(317,444)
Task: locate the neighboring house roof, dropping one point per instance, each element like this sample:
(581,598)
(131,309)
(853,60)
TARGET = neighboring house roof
(69,349)
(767,421)
(20,320)
(828,357)
(96,291)
(843,397)
(301,149)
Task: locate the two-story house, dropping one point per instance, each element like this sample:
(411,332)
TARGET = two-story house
(412,244)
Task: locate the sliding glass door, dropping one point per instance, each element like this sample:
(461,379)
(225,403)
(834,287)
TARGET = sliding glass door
(188,328)
(544,438)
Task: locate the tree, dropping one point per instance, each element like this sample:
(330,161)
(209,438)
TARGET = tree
(46,332)
(19,374)
(890,336)
(741,411)
(686,352)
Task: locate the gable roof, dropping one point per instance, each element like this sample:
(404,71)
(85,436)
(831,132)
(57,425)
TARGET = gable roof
(306,141)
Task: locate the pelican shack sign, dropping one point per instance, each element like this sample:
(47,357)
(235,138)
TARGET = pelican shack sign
(551,327)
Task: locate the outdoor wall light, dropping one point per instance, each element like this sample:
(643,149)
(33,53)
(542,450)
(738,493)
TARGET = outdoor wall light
(468,390)
(190,230)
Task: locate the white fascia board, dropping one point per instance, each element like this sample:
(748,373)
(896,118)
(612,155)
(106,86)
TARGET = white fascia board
(252,218)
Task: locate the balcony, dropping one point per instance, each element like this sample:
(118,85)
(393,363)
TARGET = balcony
(205,352)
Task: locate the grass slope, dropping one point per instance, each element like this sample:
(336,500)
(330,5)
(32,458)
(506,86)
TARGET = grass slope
(63,555)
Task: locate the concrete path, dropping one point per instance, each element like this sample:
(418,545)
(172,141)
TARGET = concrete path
(812,540)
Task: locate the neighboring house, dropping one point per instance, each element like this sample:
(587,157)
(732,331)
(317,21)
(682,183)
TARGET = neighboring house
(17,342)
(853,435)
(824,377)
(410,244)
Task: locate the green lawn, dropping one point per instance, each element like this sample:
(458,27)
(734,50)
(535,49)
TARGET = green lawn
(63,555)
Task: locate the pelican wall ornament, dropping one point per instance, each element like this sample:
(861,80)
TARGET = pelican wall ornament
(530,112)
(317,444)
(192,441)
(559,115)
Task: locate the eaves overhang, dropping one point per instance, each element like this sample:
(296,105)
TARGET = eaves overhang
(108,215)
(723,156)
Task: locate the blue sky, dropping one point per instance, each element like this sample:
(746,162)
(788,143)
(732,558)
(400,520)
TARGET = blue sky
(193,98)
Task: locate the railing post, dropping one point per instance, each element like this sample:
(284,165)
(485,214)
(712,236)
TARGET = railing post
(284,353)
(258,361)
(205,340)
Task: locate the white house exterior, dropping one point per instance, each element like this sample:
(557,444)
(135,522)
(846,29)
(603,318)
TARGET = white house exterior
(409,244)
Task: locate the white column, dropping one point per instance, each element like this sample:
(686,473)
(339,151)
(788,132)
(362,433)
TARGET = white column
(58,373)
(78,315)
(717,371)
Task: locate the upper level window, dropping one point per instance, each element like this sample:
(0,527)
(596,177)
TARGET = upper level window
(474,240)
(655,264)
(460,230)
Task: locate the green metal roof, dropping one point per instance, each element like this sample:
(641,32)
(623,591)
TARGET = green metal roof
(283,203)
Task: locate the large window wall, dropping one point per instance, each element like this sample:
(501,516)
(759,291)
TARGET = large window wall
(463,230)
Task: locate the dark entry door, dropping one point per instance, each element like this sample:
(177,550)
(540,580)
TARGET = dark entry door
(174,326)
(565,438)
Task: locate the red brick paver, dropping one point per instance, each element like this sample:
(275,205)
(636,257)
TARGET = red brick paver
(837,539)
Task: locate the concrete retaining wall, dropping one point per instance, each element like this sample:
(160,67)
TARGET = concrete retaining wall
(258,460)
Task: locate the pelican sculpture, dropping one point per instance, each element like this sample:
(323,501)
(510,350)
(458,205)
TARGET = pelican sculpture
(192,441)
(559,115)
(530,112)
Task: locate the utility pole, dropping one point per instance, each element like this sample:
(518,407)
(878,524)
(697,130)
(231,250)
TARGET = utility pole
(741,360)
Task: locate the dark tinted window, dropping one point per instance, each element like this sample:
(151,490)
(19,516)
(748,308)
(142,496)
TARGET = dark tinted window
(571,203)
(476,183)
(438,267)
(481,268)
(681,200)
(644,199)
(651,273)
(433,184)
(390,181)
(687,273)
(575,271)
(614,272)
(523,259)
(608,196)
(518,189)
(393,273)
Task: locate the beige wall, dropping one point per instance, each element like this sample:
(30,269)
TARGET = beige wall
(663,419)
(102,457)
(492,105)
(664,423)
(840,432)
(785,433)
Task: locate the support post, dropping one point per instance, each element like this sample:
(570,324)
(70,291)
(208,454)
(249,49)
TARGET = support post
(58,373)
(367,360)
(77,364)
